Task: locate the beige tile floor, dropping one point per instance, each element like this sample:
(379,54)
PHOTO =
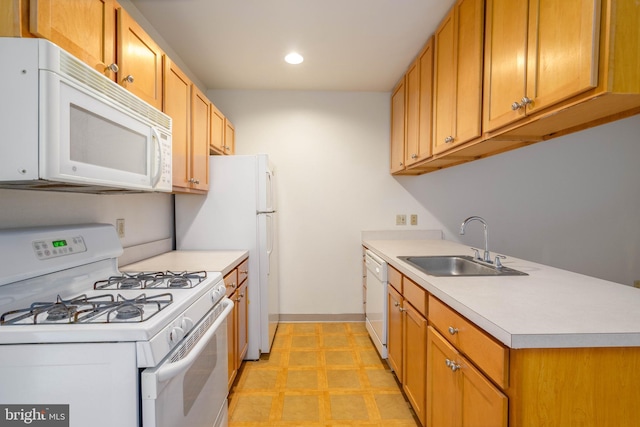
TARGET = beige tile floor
(319,374)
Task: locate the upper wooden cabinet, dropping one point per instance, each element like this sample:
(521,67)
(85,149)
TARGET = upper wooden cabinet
(528,66)
(229,137)
(99,33)
(200,134)
(223,133)
(551,67)
(139,60)
(177,104)
(217,131)
(458,76)
(398,127)
(86,29)
(189,111)
(419,112)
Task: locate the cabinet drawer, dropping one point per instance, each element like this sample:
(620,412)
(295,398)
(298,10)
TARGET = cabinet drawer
(231,281)
(415,294)
(487,354)
(394,278)
(243,271)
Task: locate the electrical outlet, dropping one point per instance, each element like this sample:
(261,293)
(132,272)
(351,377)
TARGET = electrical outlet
(120,227)
(636,283)
(401,219)
(414,219)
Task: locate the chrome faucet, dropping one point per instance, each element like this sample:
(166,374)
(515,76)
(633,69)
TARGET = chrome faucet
(487,255)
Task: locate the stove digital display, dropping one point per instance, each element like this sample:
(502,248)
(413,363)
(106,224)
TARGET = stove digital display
(59,243)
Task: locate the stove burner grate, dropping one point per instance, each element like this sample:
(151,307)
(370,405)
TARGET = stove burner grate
(56,311)
(157,280)
(130,281)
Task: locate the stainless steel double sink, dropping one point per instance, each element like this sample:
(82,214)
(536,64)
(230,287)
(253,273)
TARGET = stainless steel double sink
(457,265)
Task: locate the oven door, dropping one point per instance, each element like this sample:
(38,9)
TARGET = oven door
(189,387)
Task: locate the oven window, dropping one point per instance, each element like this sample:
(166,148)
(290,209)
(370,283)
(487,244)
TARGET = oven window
(101,142)
(198,375)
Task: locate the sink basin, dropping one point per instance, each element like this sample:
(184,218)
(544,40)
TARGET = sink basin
(457,265)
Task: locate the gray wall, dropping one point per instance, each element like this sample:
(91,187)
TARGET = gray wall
(571,202)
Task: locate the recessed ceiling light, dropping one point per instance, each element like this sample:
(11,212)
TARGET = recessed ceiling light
(294,58)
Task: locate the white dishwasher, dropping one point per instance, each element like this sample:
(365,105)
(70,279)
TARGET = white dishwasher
(376,302)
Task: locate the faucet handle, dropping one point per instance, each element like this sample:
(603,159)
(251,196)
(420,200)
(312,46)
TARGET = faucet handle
(498,263)
(476,254)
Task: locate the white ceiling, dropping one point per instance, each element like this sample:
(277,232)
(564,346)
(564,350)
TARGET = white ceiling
(351,45)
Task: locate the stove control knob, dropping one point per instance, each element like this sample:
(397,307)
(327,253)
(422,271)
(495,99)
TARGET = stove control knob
(175,335)
(186,324)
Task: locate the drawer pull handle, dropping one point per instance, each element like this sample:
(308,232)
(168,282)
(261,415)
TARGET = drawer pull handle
(244,271)
(453,330)
(452,365)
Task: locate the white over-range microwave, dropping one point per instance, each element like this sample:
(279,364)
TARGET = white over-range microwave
(66,127)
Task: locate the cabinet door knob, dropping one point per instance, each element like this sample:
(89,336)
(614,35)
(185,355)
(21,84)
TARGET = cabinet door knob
(129,79)
(112,67)
(448,139)
(453,330)
(452,365)
(526,101)
(516,106)
(414,156)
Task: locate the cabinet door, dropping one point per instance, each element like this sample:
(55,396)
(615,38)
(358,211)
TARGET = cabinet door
(415,360)
(482,403)
(86,29)
(419,88)
(139,59)
(457,393)
(469,64)
(563,50)
(229,137)
(443,399)
(394,332)
(398,128)
(444,84)
(242,301)
(200,133)
(177,105)
(458,76)
(217,130)
(232,346)
(505,62)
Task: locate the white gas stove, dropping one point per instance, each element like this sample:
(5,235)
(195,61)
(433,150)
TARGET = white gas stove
(68,317)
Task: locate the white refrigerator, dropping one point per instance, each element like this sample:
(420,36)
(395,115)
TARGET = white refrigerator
(239,212)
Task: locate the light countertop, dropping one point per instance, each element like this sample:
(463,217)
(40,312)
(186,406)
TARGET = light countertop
(549,308)
(222,261)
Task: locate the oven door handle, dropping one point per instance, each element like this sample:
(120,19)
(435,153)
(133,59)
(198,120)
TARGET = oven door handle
(169,371)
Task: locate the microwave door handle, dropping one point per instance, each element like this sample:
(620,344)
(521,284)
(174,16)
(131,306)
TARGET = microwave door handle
(158,166)
(168,371)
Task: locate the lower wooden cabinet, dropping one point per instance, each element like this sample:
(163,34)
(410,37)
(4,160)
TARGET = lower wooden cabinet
(407,341)
(394,331)
(415,360)
(457,393)
(237,322)
(241,301)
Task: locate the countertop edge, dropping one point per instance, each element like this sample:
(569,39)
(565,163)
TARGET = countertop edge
(214,261)
(513,340)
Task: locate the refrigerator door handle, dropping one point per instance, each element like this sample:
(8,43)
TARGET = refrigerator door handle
(265,212)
